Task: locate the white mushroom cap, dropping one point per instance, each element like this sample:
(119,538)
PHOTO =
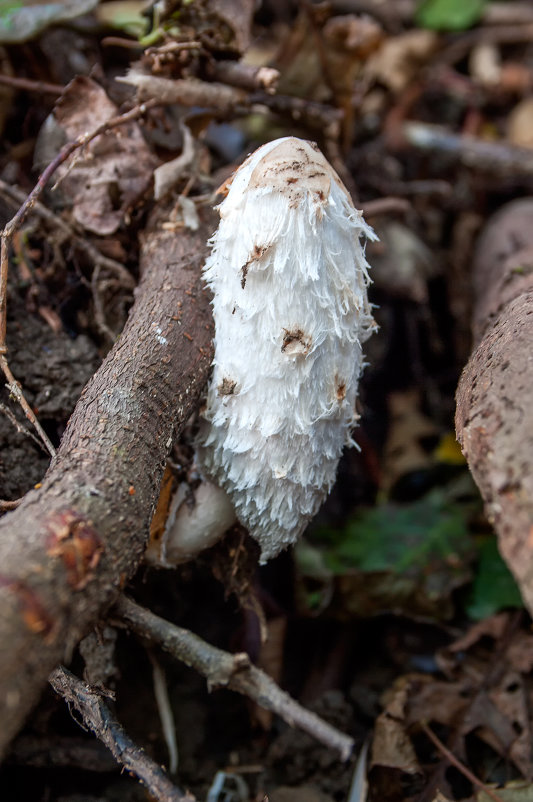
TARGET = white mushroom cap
(289,278)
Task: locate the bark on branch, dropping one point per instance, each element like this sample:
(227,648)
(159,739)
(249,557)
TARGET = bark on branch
(97,716)
(234,671)
(72,544)
(494,418)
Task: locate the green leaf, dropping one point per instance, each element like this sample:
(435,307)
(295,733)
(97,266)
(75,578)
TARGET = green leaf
(400,538)
(449,15)
(403,557)
(494,587)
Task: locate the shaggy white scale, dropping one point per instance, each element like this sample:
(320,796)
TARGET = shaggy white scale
(289,280)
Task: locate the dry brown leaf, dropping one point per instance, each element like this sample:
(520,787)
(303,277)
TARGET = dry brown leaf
(106,178)
(510,698)
(399,59)
(488,697)
(391,746)
(408,428)
(436,701)
(346,43)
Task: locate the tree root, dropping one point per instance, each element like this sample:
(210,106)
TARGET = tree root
(69,547)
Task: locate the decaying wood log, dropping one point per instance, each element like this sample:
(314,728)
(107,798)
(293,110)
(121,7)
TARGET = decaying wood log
(494,418)
(73,543)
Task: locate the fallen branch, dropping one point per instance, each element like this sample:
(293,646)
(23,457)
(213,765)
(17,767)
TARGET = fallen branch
(245,76)
(233,671)
(494,418)
(187,91)
(494,158)
(97,716)
(69,546)
(225,99)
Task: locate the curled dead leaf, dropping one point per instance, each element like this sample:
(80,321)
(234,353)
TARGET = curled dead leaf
(103,180)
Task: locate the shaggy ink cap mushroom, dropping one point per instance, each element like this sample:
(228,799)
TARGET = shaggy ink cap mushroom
(289,279)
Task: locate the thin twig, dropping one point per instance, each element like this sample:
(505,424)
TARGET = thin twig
(495,670)
(18,426)
(118,41)
(97,716)
(41,87)
(133,114)
(496,35)
(14,390)
(233,671)
(318,116)
(457,763)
